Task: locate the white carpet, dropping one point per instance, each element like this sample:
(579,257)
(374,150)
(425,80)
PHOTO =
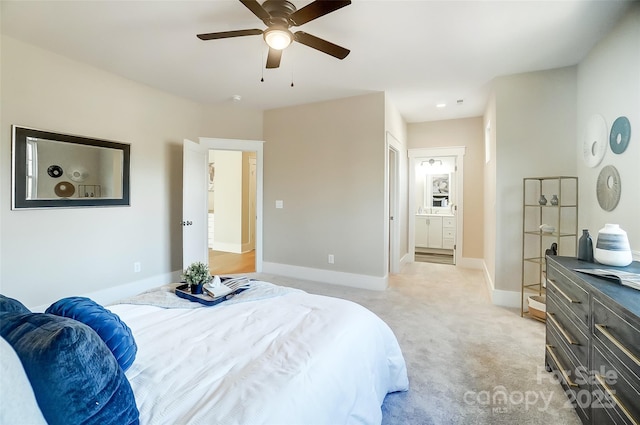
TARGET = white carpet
(464,355)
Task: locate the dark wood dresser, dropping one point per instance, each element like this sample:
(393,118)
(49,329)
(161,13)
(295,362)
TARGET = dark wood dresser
(593,341)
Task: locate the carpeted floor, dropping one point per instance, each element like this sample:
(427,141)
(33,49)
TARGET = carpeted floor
(469,362)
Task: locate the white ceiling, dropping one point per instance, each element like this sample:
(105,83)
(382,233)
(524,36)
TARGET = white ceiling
(419,52)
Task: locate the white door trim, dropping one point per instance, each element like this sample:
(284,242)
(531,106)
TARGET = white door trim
(246,146)
(392,203)
(414,156)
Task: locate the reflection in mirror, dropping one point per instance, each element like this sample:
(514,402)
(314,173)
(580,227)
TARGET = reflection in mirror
(59,170)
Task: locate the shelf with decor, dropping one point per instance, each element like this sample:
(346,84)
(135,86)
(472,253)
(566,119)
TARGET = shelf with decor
(549,220)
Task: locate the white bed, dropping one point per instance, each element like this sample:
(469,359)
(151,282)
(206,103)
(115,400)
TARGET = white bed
(270,355)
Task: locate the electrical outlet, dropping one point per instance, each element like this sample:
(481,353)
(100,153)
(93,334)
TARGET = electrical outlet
(137,267)
(331,259)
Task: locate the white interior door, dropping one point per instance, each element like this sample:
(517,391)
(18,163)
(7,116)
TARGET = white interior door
(195,180)
(393,211)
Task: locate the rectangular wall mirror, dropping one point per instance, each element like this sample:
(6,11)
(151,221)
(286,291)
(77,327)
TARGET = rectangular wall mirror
(54,170)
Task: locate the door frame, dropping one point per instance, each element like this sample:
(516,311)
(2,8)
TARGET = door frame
(415,156)
(246,146)
(392,204)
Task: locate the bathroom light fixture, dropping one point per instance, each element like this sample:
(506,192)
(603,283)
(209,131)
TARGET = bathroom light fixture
(278,38)
(431,162)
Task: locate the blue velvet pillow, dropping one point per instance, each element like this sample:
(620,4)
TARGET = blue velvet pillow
(11,305)
(113,331)
(75,378)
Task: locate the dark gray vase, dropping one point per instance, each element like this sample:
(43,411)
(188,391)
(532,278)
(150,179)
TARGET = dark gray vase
(196,289)
(585,247)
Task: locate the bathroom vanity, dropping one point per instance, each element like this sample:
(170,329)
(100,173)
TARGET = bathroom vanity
(435,231)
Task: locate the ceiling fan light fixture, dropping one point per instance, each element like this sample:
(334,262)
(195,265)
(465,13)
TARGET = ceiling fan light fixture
(278,38)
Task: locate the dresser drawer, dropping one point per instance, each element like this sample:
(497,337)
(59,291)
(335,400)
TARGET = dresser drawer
(568,293)
(449,222)
(616,387)
(618,333)
(607,414)
(448,233)
(572,334)
(571,375)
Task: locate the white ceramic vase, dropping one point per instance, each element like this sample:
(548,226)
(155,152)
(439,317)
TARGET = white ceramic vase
(612,246)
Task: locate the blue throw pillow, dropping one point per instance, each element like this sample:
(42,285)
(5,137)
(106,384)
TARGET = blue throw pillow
(113,331)
(74,376)
(10,305)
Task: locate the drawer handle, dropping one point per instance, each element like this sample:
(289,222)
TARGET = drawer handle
(562,331)
(561,292)
(562,371)
(615,399)
(614,340)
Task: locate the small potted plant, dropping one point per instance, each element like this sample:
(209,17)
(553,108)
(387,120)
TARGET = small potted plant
(196,275)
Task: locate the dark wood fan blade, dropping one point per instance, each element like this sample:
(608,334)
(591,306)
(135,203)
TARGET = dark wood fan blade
(322,45)
(273,59)
(228,34)
(315,10)
(257,10)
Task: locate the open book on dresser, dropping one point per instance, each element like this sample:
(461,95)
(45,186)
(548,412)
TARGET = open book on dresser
(632,280)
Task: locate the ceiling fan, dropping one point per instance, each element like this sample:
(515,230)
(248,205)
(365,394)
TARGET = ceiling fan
(279,16)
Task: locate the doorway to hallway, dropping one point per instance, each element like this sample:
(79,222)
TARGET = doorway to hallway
(225,263)
(232,212)
(436,204)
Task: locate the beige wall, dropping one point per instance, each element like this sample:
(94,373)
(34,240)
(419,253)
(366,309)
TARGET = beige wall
(535,132)
(612,91)
(326,161)
(230,122)
(227,235)
(466,132)
(50,253)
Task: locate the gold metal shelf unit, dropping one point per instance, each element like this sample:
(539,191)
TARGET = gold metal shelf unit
(561,215)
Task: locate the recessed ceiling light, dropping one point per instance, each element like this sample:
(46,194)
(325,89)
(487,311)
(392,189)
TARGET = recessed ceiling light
(441,105)
(237,98)
(459,101)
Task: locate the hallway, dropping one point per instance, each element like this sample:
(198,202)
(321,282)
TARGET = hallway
(223,263)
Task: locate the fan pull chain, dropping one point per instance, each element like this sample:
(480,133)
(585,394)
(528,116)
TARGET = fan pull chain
(262,67)
(291,73)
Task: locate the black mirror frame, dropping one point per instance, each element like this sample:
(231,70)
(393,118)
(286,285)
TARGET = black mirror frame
(18,172)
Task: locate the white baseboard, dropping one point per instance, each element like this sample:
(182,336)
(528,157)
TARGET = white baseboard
(236,248)
(499,296)
(327,276)
(114,293)
(505,298)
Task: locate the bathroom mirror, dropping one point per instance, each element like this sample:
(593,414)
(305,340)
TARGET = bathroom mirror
(54,170)
(436,190)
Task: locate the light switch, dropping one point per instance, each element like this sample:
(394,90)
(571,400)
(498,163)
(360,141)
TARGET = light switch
(279,203)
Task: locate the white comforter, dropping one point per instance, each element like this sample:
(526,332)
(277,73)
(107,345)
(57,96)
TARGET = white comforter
(290,358)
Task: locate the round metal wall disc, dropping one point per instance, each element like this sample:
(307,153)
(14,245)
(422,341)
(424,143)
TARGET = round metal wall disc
(609,188)
(64,189)
(54,171)
(620,135)
(594,144)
